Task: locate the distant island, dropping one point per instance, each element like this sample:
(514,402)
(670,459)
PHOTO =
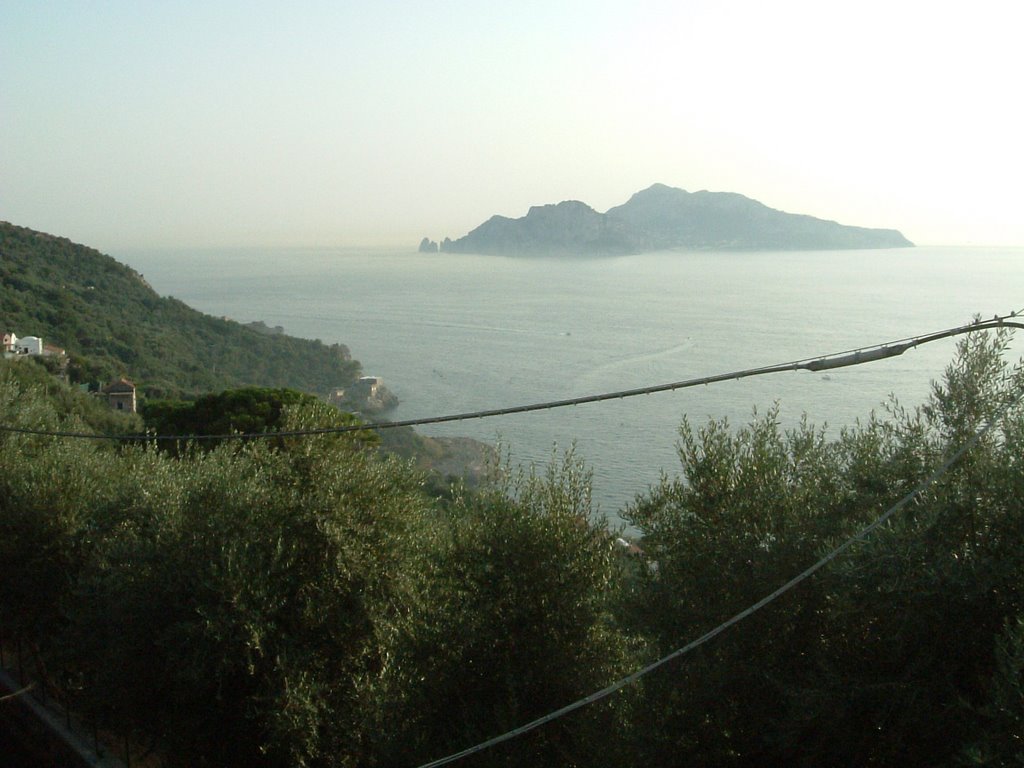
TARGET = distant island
(661,218)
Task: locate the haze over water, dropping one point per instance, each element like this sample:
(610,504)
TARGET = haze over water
(452,333)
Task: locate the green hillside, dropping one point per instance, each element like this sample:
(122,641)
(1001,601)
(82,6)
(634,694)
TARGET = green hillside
(113,324)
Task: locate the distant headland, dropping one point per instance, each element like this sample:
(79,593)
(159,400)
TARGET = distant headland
(661,218)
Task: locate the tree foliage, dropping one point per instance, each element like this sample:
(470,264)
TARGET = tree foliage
(244,411)
(885,658)
(306,602)
(112,323)
(513,619)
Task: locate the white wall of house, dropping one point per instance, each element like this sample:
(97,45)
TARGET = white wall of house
(29,345)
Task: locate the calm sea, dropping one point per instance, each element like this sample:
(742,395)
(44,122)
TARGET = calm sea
(451,333)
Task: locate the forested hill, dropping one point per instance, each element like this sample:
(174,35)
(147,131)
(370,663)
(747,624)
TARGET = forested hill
(661,218)
(112,323)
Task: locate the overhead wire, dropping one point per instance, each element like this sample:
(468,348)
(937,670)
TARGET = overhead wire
(851,357)
(745,613)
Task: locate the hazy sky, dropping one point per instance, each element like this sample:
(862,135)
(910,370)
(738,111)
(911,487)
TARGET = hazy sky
(136,124)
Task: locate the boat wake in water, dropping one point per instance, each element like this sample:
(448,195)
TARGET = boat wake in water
(634,366)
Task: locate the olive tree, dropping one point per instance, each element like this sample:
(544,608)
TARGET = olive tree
(513,620)
(883,657)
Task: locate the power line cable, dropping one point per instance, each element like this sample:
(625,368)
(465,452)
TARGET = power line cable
(852,357)
(737,618)
(858,356)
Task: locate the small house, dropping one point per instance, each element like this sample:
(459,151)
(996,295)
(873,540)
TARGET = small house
(121,395)
(368,395)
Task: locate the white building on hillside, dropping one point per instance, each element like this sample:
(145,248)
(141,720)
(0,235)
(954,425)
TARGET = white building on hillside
(29,345)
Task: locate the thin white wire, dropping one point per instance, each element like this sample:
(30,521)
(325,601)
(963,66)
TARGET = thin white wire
(711,634)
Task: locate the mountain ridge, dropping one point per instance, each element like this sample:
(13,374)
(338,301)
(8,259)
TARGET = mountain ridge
(661,217)
(112,323)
